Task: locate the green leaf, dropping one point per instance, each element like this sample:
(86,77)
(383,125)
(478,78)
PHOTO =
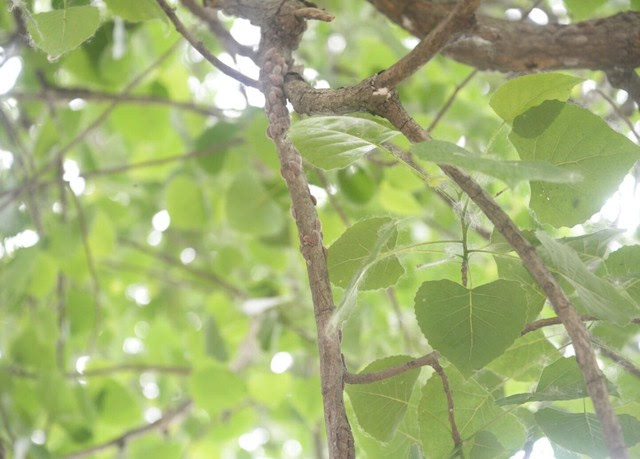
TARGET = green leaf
(381,406)
(59,31)
(102,237)
(185,203)
(349,254)
(581,432)
(44,276)
(218,134)
(510,172)
(357,184)
(474,410)
(624,263)
(524,360)
(471,327)
(332,142)
(583,9)
(250,207)
(520,94)
(597,296)
(215,344)
(487,446)
(214,388)
(562,380)
(135,11)
(574,139)
(117,405)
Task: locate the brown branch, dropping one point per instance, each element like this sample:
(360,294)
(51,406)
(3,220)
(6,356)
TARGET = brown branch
(507,46)
(534,265)
(52,92)
(172,417)
(201,273)
(367,378)
(455,434)
(461,18)
(211,19)
(620,360)
(202,49)
(541,323)
(276,50)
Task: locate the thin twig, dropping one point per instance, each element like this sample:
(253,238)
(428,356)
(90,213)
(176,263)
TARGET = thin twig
(211,19)
(393,299)
(620,360)
(621,115)
(455,434)
(162,424)
(374,376)
(201,273)
(66,94)
(202,49)
(332,199)
(122,168)
(447,105)
(533,326)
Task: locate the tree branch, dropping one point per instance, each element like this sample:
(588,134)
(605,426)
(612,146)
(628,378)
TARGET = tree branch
(461,18)
(367,378)
(211,19)
(455,434)
(172,417)
(202,49)
(506,46)
(206,275)
(51,92)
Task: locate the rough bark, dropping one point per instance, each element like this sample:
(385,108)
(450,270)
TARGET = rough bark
(505,46)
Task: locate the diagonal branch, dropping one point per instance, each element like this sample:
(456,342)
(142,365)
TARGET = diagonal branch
(367,378)
(460,19)
(202,49)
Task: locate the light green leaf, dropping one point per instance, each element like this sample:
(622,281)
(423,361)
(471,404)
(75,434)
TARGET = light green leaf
(215,345)
(475,412)
(350,253)
(583,9)
(332,142)
(381,406)
(574,139)
(59,31)
(185,203)
(624,263)
(471,327)
(44,277)
(135,11)
(525,359)
(117,405)
(102,237)
(214,388)
(597,296)
(510,172)
(487,446)
(581,432)
(562,380)
(250,207)
(218,134)
(520,94)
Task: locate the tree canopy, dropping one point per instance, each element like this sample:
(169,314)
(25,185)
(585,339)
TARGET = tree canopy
(270,228)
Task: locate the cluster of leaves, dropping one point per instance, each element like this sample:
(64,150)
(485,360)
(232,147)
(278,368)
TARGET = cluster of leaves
(109,320)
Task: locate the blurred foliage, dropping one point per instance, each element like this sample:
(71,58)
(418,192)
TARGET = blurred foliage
(148,258)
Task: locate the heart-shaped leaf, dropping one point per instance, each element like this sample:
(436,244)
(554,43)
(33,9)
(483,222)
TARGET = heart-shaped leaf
(471,327)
